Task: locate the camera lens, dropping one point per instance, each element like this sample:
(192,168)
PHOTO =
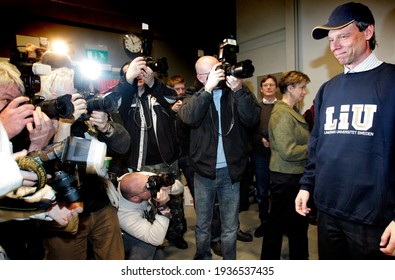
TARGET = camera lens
(243,69)
(106,103)
(61,107)
(65,186)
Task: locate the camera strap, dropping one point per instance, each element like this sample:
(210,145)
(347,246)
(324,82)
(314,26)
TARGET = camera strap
(13,204)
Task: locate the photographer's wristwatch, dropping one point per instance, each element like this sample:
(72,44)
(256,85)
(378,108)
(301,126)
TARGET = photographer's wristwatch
(164,210)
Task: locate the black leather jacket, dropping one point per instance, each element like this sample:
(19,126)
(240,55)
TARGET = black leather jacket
(239,110)
(159,119)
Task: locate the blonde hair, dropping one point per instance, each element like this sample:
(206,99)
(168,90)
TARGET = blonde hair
(10,76)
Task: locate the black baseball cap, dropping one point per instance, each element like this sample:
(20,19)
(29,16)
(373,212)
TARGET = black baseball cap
(342,16)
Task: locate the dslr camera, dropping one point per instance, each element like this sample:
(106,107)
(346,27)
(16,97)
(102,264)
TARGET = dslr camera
(160,65)
(227,55)
(107,102)
(155,182)
(61,107)
(61,159)
(30,71)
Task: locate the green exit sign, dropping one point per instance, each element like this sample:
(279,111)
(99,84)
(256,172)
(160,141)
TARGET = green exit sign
(97,55)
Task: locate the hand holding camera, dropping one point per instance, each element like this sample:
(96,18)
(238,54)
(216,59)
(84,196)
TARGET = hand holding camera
(162,197)
(234,83)
(148,76)
(177,106)
(64,215)
(80,106)
(216,75)
(100,120)
(41,130)
(135,68)
(16,115)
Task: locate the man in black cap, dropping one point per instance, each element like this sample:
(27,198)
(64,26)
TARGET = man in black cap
(351,162)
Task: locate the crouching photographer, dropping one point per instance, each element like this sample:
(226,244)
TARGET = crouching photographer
(143,213)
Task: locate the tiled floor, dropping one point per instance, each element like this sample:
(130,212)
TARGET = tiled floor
(245,250)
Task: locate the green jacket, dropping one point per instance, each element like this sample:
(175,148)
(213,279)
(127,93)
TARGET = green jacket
(288,136)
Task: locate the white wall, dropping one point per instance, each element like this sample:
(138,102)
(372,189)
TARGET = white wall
(265,28)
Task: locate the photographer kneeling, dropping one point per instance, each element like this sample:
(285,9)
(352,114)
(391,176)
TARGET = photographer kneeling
(144,220)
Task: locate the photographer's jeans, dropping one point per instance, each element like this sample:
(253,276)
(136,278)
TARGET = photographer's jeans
(228,199)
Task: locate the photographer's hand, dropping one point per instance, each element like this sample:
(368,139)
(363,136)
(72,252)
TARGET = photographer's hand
(216,75)
(177,106)
(234,83)
(65,124)
(80,106)
(43,130)
(63,215)
(100,120)
(162,197)
(148,76)
(16,116)
(135,69)
(30,178)
(265,142)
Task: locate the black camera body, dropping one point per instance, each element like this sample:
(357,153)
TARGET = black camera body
(155,182)
(60,160)
(60,107)
(100,102)
(30,79)
(227,55)
(160,65)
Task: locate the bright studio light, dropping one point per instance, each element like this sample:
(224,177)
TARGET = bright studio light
(60,47)
(90,69)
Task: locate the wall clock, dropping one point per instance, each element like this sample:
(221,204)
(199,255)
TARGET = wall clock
(132,43)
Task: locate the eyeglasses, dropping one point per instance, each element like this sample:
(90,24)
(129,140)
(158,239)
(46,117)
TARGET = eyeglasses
(145,190)
(202,74)
(268,85)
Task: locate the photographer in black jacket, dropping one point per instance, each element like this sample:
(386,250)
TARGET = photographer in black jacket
(218,117)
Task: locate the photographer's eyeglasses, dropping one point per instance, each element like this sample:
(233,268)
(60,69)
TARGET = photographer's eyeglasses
(146,190)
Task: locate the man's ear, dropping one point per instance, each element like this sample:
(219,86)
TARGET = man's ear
(369,31)
(199,79)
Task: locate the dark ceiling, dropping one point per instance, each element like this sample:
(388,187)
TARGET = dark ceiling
(202,24)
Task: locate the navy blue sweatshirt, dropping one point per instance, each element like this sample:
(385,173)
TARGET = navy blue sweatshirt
(351,156)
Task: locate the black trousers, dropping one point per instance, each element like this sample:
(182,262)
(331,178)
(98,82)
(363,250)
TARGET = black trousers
(283,219)
(343,240)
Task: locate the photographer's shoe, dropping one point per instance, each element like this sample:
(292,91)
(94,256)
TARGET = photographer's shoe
(216,247)
(243,236)
(180,243)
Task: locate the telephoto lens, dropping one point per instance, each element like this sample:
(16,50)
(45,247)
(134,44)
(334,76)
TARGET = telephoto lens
(66,187)
(61,107)
(106,103)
